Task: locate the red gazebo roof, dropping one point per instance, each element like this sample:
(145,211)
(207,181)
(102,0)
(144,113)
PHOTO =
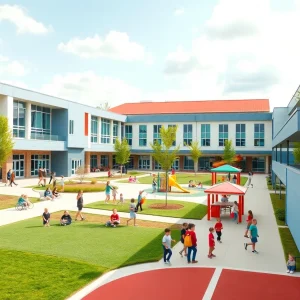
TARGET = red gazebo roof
(226,188)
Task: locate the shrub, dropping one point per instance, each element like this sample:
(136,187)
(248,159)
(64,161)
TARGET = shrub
(280,214)
(93,181)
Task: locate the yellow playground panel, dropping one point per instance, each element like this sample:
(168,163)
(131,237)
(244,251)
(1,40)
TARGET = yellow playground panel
(171,182)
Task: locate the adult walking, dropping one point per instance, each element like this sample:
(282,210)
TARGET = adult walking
(108,188)
(40,174)
(154,184)
(79,205)
(51,177)
(44,176)
(139,201)
(8,176)
(250,175)
(235,210)
(12,179)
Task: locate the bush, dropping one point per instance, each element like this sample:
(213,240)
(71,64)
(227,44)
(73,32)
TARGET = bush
(280,214)
(93,181)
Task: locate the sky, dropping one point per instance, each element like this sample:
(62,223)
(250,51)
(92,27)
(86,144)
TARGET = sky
(116,51)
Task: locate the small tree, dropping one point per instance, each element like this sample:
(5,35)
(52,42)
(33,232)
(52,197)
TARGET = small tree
(122,152)
(162,152)
(195,153)
(296,152)
(104,106)
(80,172)
(6,140)
(229,152)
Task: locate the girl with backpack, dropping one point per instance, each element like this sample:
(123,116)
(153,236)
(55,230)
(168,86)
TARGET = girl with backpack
(190,241)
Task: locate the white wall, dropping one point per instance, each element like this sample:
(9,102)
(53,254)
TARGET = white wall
(214,134)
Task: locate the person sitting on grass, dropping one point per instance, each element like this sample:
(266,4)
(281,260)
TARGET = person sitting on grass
(114,219)
(48,194)
(22,201)
(200,186)
(65,219)
(55,193)
(135,180)
(130,180)
(192,183)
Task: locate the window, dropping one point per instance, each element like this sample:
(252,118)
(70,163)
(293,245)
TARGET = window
(93,161)
(188,163)
(174,143)
(156,133)
(144,162)
(105,131)
(240,135)
(71,127)
(76,163)
(104,161)
(187,134)
(18,165)
(223,134)
(94,129)
(115,130)
(128,134)
(122,131)
(258,164)
(205,134)
(19,119)
(39,161)
(40,122)
(142,135)
(259,135)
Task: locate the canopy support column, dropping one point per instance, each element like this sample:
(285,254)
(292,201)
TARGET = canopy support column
(238,178)
(217,196)
(208,207)
(240,210)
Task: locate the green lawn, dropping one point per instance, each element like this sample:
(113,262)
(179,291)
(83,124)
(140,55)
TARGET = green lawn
(278,203)
(53,262)
(271,188)
(189,211)
(289,245)
(118,175)
(7,201)
(184,178)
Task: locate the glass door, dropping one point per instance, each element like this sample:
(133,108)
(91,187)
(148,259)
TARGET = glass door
(76,163)
(18,165)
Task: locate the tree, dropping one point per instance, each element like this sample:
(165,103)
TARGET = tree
(80,172)
(296,152)
(122,152)
(229,152)
(104,106)
(162,152)
(195,153)
(6,140)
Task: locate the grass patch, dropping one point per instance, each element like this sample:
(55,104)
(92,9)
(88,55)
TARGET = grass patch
(53,262)
(278,203)
(189,210)
(7,201)
(118,175)
(184,178)
(289,245)
(271,188)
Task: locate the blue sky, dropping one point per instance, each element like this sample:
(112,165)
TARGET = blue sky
(119,51)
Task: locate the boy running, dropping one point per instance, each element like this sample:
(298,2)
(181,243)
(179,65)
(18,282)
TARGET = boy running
(218,228)
(166,242)
(253,236)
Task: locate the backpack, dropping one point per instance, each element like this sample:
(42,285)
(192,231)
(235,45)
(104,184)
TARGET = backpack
(188,241)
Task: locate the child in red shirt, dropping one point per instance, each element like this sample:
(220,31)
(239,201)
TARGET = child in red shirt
(218,229)
(249,222)
(211,243)
(114,219)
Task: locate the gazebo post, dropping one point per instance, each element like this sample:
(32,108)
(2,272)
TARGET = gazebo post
(217,196)
(213,198)
(212,178)
(208,207)
(240,210)
(239,178)
(243,201)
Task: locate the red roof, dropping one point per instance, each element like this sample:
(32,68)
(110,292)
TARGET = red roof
(226,188)
(190,107)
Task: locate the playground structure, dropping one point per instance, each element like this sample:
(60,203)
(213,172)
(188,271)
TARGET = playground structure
(161,183)
(220,163)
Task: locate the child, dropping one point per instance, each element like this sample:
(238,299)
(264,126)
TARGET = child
(193,248)
(46,218)
(218,228)
(121,199)
(200,186)
(211,243)
(166,242)
(114,219)
(62,184)
(235,210)
(253,236)
(291,264)
(132,213)
(183,231)
(114,194)
(249,222)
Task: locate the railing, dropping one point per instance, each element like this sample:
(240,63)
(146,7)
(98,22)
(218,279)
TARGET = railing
(46,137)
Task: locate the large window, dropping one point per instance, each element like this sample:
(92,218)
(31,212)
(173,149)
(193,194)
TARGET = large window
(174,142)
(240,135)
(144,162)
(94,129)
(18,165)
(104,161)
(187,134)
(188,163)
(259,135)
(223,134)
(205,134)
(258,164)
(19,119)
(128,134)
(39,161)
(115,130)
(40,122)
(122,130)
(156,133)
(105,131)
(142,135)
(93,161)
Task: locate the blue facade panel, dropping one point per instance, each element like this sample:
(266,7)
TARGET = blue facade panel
(59,163)
(59,123)
(279,170)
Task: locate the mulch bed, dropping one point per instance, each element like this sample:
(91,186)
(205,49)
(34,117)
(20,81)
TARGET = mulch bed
(7,197)
(163,206)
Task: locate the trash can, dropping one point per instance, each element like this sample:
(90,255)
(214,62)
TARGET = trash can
(215,211)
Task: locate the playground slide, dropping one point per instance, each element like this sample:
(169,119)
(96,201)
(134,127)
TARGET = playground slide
(172,182)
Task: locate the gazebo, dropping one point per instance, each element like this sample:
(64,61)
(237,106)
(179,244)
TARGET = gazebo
(225,188)
(225,169)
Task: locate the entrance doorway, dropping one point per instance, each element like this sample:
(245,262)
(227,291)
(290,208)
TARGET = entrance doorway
(76,163)
(18,165)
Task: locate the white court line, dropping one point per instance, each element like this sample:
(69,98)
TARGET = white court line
(212,285)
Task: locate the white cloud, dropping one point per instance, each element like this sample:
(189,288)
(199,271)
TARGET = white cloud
(244,52)
(19,17)
(115,45)
(11,67)
(91,89)
(179,12)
